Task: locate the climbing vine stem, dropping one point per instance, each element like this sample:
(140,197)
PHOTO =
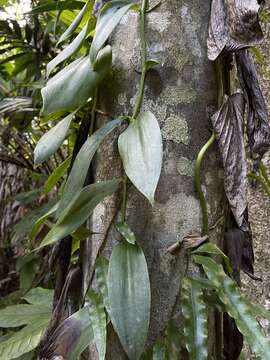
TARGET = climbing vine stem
(198,181)
(139,98)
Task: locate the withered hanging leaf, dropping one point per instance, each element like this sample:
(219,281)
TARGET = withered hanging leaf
(258,129)
(233,339)
(238,247)
(228,126)
(234,25)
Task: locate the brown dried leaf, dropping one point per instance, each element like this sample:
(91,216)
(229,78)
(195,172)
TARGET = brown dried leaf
(228,127)
(233,339)
(238,248)
(258,129)
(234,25)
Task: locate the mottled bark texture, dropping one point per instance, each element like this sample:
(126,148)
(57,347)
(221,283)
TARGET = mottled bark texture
(181,92)
(259,205)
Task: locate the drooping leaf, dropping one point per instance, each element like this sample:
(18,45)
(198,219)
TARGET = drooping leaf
(79,210)
(140,147)
(23,341)
(70,338)
(56,175)
(108,19)
(101,277)
(99,322)
(228,124)
(258,128)
(150,64)
(232,339)
(75,84)
(129,297)
(52,140)
(82,162)
(238,247)
(39,296)
(236,306)
(23,314)
(195,320)
(68,51)
(233,25)
(76,22)
(126,232)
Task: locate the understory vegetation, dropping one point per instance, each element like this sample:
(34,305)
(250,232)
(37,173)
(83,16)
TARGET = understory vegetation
(54,57)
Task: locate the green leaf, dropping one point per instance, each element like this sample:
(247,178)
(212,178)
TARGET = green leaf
(159,350)
(129,297)
(75,84)
(213,249)
(23,341)
(79,210)
(40,221)
(52,140)
(101,277)
(68,51)
(150,64)
(195,320)
(39,296)
(82,162)
(75,23)
(109,17)
(56,175)
(140,147)
(126,232)
(236,306)
(23,314)
(99,322)
(56,6)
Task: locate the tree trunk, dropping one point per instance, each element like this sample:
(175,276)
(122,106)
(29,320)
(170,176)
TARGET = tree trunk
(181,92)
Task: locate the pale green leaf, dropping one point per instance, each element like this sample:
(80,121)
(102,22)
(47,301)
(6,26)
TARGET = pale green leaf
(75,84)
(109,17)
(99,322)
(23,314)
(126,232)
(236,306)
(39,296)
(159,351)
(76,22)
(79,210)
(23,341)
(129,297)
(82,162)
(51,140)
(195,320)
(68,51)
(140,147)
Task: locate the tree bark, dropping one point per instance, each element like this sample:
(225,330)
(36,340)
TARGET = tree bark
(181,91)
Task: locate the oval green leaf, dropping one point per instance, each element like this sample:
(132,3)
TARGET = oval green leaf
(140,147)
(129,297)
(52,140)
